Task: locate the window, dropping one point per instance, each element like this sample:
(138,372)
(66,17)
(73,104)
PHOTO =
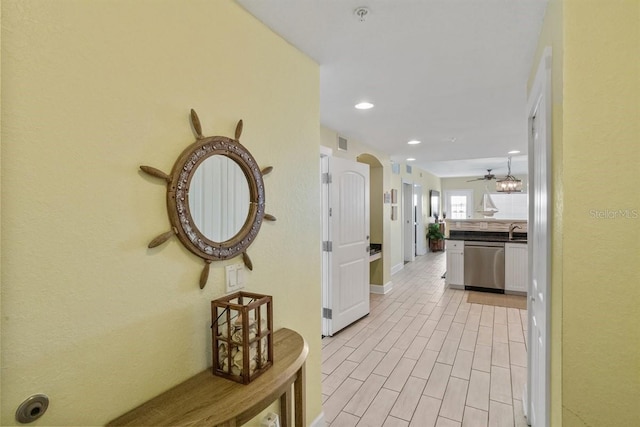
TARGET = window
(458,207)
(458,204)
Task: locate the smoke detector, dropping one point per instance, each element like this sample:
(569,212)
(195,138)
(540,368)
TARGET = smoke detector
(361,13)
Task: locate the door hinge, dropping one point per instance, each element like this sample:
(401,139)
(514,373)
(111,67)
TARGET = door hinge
(327,246)
(326,178)
(326,313)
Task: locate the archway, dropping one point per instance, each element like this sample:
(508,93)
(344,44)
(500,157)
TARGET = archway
(376,215)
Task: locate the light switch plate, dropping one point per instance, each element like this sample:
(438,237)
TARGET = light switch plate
(234,277)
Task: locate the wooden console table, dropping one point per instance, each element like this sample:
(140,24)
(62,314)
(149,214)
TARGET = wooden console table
(206,399)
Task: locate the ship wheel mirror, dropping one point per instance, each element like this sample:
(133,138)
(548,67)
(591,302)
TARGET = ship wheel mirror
(215,198)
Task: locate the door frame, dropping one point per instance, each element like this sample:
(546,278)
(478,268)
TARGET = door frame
(540,107)
(421,231)
(408,228)
(325,155)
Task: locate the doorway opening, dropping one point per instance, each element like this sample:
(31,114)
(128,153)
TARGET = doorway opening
(408,223)
(414,241)
(376,219)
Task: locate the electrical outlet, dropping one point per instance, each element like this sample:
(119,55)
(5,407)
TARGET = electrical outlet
(270,420)
(234,277)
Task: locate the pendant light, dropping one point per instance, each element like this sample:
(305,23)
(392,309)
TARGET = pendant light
(509,184)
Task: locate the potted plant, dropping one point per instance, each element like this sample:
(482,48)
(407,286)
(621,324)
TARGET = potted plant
(436,237)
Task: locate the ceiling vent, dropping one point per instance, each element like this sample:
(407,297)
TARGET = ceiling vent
(408,169)
(395,168)
(342,143)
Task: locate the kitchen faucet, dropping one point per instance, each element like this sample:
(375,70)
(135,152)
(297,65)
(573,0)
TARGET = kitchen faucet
(511,228)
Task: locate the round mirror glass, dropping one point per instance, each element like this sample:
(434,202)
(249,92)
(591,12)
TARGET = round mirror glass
(219,198)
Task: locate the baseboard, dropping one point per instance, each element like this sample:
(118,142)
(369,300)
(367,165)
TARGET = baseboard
(397,268)
(381,289)
(319,421)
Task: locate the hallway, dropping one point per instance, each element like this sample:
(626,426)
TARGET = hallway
(425,357)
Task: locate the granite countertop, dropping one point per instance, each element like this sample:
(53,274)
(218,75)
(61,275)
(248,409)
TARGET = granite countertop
(480,236)
(375,248)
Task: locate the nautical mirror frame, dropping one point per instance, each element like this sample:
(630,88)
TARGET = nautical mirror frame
(178,184)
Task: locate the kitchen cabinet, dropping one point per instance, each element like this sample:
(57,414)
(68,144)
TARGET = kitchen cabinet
(516,262)
(455,264)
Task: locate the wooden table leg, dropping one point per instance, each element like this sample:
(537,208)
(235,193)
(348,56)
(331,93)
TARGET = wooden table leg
(285,409)
(300,397)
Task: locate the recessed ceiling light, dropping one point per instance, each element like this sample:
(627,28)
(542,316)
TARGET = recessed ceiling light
(410,159)
(414,142)
(364,106)
(514,152)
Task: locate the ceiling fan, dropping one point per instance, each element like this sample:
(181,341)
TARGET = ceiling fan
(488,177)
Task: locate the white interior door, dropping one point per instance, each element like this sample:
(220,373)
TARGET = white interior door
(539,306)
(347,296)
(408,222)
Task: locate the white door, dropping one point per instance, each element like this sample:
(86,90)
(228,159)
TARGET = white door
(347,293)
(408,222)
(538,371)
(458,204)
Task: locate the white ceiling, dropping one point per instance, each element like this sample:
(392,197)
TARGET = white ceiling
(450,73)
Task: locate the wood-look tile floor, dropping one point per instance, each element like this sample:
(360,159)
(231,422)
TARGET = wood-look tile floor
(426,357)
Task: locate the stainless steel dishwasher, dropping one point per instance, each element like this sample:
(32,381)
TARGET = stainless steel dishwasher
(484,265)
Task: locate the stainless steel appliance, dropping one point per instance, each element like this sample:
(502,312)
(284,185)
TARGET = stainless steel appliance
(484,265)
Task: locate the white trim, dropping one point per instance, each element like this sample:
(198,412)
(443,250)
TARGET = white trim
(325,234)
(381,289)
(408,220)
(319,421)
(540,98)
(396,268)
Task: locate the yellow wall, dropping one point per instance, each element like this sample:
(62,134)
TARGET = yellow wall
(601,274)
(90,91)
(595,362)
